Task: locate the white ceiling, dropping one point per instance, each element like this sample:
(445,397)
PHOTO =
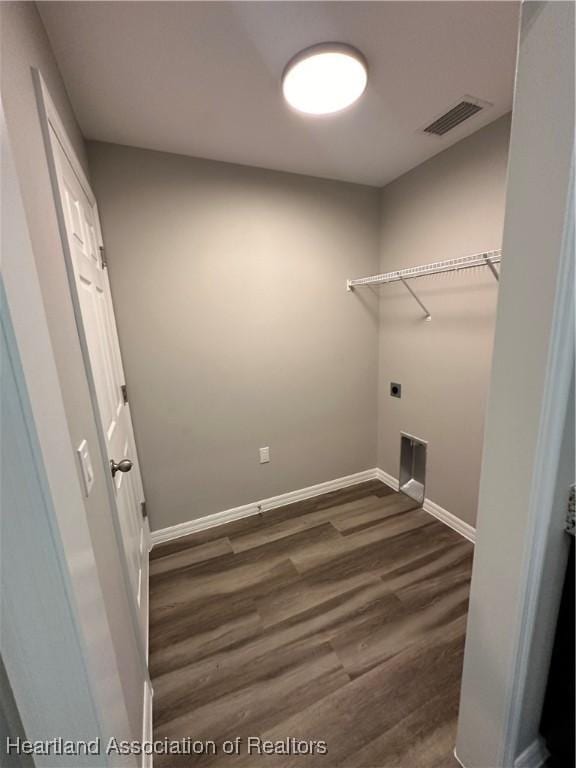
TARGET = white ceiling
(203,78)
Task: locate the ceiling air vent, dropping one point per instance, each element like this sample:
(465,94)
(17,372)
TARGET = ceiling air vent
(464,110)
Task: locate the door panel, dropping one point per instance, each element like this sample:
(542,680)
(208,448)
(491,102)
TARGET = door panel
(98,328)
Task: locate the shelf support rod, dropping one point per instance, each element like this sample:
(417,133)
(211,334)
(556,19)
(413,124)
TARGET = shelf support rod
(491,266)
(427,314)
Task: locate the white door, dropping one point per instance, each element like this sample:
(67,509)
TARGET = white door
(99,330)
(56,642)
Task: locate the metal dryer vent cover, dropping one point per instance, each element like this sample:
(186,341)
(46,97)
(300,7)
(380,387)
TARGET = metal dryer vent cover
(463,110)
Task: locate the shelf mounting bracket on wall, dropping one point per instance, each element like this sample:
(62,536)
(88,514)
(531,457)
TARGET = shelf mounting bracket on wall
(427,315)
(491,267)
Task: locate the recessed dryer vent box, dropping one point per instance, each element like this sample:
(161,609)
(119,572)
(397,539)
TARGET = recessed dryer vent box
(412,474)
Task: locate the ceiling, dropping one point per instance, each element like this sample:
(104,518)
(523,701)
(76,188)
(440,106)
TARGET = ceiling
(203,78)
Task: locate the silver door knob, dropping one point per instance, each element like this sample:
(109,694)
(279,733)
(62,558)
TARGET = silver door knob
(122,466)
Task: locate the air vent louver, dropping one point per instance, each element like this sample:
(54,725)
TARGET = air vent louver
(446,122)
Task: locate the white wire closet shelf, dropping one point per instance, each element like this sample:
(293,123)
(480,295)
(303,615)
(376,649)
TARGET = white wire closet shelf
(484,259)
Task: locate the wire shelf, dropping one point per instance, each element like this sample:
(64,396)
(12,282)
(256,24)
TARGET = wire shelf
(485,259)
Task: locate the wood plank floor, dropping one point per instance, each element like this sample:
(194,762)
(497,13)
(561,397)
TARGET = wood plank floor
(339,619)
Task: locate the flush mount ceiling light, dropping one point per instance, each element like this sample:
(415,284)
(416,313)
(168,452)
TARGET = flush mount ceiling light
(324,78)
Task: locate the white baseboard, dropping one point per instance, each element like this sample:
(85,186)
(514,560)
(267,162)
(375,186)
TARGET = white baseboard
(387,479)
(534,756)
(458,759)
(246,510)
(464,529)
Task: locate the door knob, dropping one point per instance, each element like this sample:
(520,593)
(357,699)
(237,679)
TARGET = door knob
(122,466)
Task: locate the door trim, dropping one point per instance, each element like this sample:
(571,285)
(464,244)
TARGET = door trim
(47,419)
(147,727)
(53,129)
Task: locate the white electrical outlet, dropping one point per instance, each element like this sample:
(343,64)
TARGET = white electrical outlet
(85,466)
(264,455)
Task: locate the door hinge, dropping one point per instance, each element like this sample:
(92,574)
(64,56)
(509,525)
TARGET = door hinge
(143,510)
(124,390)
(103,258)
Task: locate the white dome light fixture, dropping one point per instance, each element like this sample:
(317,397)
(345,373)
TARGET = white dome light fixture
(325,78)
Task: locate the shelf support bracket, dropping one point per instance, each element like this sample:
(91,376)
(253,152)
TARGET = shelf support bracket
(491,266)
(427,315)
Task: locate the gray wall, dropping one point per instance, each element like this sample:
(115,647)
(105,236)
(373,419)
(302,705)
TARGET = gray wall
(235,326)
(239,335)
(450,206)
(24,45)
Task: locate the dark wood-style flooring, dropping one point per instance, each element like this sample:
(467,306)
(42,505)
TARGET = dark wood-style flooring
(338,619)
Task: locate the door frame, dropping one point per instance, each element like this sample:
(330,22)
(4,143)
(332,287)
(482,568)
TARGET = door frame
(50,121)
(520,520)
